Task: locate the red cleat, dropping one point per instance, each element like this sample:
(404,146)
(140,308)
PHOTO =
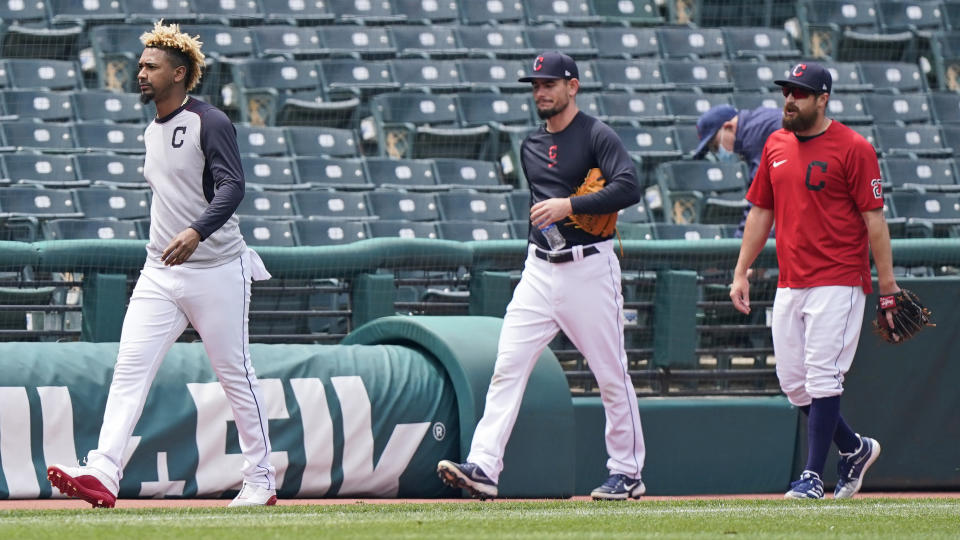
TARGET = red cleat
(79,483)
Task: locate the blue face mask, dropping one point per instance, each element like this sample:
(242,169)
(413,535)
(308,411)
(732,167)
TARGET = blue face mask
(726,156)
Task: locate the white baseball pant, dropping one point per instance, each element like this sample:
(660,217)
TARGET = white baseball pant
(583,298)
(216,301)
(815,335)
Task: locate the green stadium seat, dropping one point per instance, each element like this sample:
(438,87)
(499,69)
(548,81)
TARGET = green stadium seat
(897,77)
(267,204)
(117,49)
(628,12)
(688,231)
(322,232)
(112,170)
(299,13)
(759,42)
(635,75)
(413,125)
(43,74)
(333,172)
(919,140)
(686,107)
(261,140)
(563,13)
(755,100)
(357,41)
(931,211)
(141,12)
(363,11)
(329,204)
(106,105)
(42,105)
(473,206)
(691,43)
(469,174)
(495,41)
(758,75)
(47,136)
(520,204)
(628,108)
(923,174)
(636,213)
(946,107)
(476,231)
(493,74)
(494,12)
(702,191)
(220,41)
(899,109)
(430,75)
(228,12)
(270,173)
(104,137)
(848,108)
(408,174)
(393,228)
(575,42)
(350,77)
(48,170)
(90,229)
(107,203)
(290,42)
(311,141)
(426,42)
(261,87)
(426,12)
(267,232)
(626,42)
(405,206)
(847,77)
(40,203)
(706,75)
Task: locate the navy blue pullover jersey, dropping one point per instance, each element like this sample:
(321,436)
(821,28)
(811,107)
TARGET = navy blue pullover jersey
(556,164)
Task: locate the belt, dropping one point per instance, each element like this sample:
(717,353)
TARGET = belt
(565,256)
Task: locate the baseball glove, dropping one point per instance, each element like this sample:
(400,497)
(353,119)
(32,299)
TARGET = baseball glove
(595,224)
(909,319)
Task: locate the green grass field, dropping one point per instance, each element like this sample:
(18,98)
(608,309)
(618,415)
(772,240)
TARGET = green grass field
(862,518)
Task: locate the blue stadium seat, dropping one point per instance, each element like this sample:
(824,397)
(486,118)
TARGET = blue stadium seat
(43,74)
(946,107)
(924,174)
(628,108)
(472,206)
(759,42)
(900,108)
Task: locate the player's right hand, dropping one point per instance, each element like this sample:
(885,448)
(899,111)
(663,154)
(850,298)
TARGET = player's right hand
(740,294)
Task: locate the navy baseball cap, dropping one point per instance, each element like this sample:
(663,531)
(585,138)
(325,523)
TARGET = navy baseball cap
(709,124)
(809,75)
(552,65)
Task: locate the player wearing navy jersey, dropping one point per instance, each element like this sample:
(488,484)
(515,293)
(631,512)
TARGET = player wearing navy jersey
(575,289)
(819,181)
(198,270)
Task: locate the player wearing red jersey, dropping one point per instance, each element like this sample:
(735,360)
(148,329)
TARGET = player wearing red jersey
(819,181)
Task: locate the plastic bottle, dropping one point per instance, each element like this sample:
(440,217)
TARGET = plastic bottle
(554,237)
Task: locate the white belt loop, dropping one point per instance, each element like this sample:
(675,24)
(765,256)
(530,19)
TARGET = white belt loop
(577,252)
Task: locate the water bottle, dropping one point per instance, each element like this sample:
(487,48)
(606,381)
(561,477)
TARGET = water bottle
(553,236)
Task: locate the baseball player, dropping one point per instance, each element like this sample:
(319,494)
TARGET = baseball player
(819,181)
(575,289)
(198,270)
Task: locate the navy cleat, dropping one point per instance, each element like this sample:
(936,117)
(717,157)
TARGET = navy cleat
(853,466)
(467,476)
(809,486)
(619,487)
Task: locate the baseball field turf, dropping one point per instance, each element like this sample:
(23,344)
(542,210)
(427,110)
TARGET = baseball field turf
(859,518)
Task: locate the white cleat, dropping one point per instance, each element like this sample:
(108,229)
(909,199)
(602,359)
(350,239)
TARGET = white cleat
(254,495)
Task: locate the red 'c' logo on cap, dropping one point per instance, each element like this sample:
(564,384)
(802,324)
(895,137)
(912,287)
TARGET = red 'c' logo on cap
(538,63)
(798,70)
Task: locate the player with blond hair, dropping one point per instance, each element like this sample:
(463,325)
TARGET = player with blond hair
(198,270)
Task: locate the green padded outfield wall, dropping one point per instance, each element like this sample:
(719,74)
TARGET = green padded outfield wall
(344,420)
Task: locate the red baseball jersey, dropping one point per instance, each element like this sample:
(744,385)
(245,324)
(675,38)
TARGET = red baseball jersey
(817,188)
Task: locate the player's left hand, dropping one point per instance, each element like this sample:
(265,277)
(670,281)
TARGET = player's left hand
(550,211)
(181,247)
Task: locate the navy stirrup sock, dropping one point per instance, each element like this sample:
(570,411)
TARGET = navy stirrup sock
(821,425)
(844,436)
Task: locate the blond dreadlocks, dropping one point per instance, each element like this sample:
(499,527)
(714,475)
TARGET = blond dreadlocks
(187,49)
